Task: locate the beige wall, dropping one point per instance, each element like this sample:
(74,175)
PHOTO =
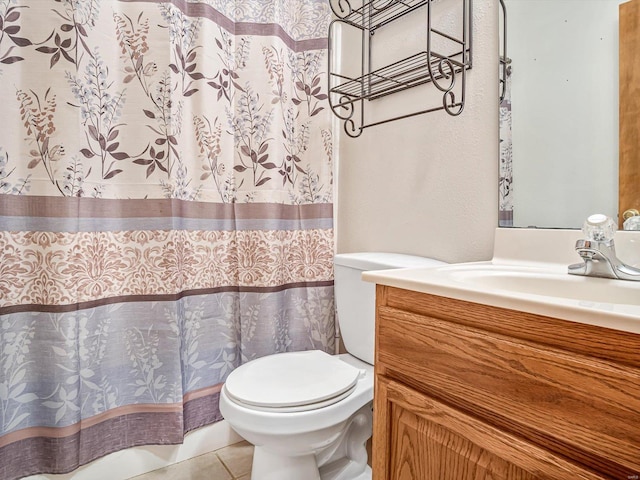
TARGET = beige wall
(427,185)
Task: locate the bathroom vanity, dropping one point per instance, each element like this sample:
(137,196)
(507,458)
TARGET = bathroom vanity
(475,382)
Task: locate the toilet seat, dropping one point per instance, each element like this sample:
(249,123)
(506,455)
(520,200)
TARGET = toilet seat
(292,382)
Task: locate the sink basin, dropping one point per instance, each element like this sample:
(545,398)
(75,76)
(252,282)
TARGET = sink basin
(528,273)
(547,282)
(543,289)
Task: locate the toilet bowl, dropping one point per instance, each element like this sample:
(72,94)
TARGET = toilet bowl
(309,414)
(323,439)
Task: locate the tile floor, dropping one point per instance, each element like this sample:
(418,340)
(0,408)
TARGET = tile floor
(228,463)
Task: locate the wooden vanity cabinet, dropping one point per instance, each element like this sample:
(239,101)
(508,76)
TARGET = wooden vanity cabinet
(468,391)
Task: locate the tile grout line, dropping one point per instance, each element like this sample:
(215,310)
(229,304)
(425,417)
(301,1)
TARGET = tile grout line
(233,477)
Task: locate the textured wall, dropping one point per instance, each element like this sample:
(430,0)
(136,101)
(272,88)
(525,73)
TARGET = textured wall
(427,185)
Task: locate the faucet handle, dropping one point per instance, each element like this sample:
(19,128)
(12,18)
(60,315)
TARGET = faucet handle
(599,228)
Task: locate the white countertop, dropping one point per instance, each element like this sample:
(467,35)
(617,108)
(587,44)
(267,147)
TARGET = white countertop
(465,281)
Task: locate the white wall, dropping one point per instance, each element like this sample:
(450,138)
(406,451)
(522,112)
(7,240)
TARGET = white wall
(564,110)
(427,185)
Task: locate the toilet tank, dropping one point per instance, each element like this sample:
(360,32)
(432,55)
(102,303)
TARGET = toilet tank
(355,299)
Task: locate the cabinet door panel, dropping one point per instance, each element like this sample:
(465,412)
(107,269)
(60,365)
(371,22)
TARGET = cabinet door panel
(582,407)
(443,454)
(419,438)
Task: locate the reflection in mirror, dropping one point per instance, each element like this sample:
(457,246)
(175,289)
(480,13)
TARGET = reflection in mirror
(629,164)
(559,118)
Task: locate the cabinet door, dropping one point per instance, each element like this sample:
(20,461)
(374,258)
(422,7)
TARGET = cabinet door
(419,438)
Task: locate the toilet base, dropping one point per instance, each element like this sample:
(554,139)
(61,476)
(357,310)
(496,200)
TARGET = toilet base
(267,466)
(270,466)
(344,459)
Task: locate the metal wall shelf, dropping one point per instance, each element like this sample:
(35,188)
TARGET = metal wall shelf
(505,61)
(377,13)
(347,94)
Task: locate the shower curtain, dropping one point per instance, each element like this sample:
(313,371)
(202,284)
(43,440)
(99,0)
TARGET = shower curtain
(505,183)
(165,214)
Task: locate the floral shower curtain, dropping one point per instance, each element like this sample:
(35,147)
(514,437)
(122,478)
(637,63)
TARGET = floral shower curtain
(165,214)
(505,183)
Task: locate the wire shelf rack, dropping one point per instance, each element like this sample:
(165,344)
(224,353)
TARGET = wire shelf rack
(347,94)
(377,13)
(407,73)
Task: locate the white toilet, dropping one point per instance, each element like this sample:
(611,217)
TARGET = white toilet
(309,413)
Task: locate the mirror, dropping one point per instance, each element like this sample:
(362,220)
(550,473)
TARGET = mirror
(559,120)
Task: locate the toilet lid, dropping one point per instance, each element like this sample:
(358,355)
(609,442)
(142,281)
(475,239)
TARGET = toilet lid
(293,381)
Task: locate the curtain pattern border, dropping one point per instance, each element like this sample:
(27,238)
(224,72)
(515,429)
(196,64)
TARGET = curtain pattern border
(203,10)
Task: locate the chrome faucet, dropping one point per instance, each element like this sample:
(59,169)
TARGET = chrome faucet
(599,253)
